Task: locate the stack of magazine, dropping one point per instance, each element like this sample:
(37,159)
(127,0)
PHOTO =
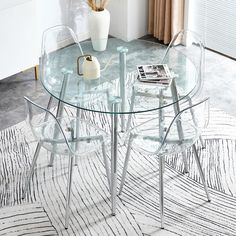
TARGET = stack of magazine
(155,74)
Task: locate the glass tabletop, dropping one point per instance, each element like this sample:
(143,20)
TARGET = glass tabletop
(118,76)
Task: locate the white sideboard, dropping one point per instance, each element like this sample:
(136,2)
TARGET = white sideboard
(22,23)
(19,46)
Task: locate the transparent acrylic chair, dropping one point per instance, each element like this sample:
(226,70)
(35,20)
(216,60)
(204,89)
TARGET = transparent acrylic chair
(190,45)
(45,124)
(56,67)
(145,137)
(185,57)
(54,64)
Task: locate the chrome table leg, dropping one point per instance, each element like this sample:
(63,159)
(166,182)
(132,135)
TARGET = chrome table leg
(122,51)
(77,130)
(114,145)
(161,119)
(161,116)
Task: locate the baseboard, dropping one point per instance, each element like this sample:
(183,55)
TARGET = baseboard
(82,37)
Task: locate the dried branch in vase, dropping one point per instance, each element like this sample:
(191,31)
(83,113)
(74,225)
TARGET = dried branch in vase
(97,5)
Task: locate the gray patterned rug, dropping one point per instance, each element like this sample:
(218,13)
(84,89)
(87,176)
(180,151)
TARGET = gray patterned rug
(25,219)
(186,209)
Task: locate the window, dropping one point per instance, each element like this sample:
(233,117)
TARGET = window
(215,20)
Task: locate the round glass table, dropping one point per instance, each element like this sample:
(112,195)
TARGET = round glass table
(115,92)
(59,75)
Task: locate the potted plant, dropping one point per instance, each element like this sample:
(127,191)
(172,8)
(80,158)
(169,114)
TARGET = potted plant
(99,23)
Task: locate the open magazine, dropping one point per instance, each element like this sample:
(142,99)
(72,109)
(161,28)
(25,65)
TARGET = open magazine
(157,74)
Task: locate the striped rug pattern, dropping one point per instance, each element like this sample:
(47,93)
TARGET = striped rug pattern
(186,209)
(25,219)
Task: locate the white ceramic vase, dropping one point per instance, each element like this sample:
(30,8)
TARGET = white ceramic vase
(99,23)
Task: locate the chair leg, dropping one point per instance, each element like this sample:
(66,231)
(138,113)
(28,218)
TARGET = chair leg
(161,189)
(60,108)
(202,142)
(68,195)
(126,164)
(106,165)
(194,120)
(184,156)
(36,72)
(201,172)
(36,154)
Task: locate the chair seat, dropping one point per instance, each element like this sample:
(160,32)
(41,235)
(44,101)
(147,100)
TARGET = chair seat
(89,136)
(147,138)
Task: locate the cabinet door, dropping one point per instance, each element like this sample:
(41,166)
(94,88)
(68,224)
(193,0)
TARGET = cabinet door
(19,41)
